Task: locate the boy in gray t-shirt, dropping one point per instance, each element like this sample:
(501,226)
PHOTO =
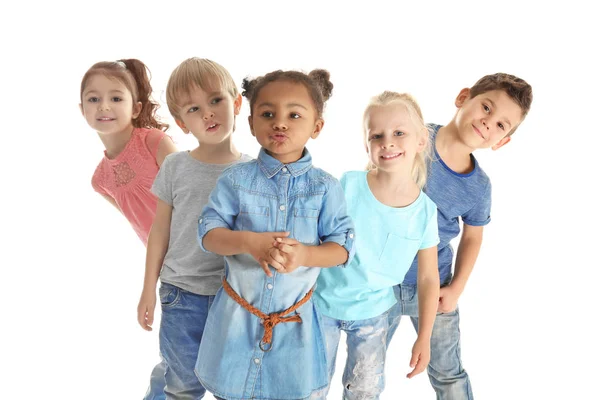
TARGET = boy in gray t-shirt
(203,99)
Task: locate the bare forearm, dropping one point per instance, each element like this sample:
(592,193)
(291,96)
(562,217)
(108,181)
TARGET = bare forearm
(158,243)
(226,242)
(466,256)
(325,255)
(428,292)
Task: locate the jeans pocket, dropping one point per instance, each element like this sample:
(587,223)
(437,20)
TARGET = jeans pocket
(169,295)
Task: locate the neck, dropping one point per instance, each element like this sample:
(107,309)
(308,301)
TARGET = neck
(220,153)
(454,153)
(394,189)
(115,143)
(286,158)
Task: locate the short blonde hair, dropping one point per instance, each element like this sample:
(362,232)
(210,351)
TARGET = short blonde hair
(197,72)
(419,168)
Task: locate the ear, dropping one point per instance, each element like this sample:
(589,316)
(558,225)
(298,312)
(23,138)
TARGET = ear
(251,127)
(462,97)
(422,141)
(81,109)
(501,143)
(182,126)
(237,104)
(137,109)
(318,126)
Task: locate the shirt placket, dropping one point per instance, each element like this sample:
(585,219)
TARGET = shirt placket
(252,389)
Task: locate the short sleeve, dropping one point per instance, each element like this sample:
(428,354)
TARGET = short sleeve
(153,139)
(335,225)
(96,182)
(222,208)
(163,183)
(479,214)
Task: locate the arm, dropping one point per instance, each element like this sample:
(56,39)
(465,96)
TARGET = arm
(158,243)
(466,255)
(165,147)
(428,284)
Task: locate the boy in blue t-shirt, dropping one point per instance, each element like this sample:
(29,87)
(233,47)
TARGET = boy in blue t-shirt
(487,116)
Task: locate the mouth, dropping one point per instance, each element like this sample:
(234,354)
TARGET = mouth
(279,137)
(390,156)
(212,127)
(477,131)
(105,119)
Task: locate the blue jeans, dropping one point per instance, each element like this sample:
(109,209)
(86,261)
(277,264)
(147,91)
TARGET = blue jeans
(446,374)
(181,328)
(156,390)
(366,340)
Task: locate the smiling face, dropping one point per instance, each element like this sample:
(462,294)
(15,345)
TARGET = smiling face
(485,120)
(208,115)
(283,119)
(107,105)
(392,138)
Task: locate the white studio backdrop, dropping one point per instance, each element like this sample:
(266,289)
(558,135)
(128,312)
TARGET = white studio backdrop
(72,269)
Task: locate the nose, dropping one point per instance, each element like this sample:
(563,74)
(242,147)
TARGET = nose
(208,115)
(104,106)
(484,122)
(279,125)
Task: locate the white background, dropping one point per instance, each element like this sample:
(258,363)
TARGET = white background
(72,268)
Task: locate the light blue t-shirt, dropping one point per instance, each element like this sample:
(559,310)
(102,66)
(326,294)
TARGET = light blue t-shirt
(467,197)
(386,242)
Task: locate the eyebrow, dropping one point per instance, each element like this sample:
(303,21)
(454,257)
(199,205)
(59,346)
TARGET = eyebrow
(111,91)
(289,105)
(494,107)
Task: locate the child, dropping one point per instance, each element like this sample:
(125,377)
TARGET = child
(115,101)
(263,337)
(203,100)
(394,221)
(488,114)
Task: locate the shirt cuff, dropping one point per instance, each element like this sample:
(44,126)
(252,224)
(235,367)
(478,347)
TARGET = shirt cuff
(346,241)
(205,225)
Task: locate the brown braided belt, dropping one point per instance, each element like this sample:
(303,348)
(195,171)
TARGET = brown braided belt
(270,320)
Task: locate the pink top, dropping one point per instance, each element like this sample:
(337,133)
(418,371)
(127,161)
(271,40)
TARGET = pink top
(128,178)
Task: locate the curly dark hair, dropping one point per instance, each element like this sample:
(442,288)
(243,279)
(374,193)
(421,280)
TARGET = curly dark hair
(316,82)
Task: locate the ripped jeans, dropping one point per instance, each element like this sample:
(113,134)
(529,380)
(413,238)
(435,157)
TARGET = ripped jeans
(366,340)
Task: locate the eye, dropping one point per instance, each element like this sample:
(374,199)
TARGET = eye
(294,115)
(116,99)
(192,110)
(501,125)
(267,114)
(398,133)
(486,109)
(375,136)
(93,99)
(216,100)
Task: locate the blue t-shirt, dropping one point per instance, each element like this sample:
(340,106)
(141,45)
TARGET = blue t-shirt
(386,241)
(468,196)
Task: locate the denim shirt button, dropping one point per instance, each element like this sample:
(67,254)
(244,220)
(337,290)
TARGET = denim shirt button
(256,361)
(351,235)
(282,207)
(200,221)
(269,286)
(284,169)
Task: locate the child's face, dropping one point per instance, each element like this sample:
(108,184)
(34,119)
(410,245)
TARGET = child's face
(209,115)
(283,119)
(392,139)
(108,105)
(486,119)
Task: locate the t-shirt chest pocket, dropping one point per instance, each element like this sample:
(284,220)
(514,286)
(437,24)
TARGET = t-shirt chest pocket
(253,218)
(305,226)
(398,249)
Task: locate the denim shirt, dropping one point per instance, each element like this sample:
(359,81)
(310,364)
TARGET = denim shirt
(265,195)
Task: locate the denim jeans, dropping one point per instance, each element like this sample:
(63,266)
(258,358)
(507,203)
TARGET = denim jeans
(446,374)
(366,340)
(181,328)
(156,390)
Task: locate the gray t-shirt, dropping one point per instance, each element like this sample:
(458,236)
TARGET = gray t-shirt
(186,183)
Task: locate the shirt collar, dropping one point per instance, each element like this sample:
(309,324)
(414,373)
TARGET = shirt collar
(271,166)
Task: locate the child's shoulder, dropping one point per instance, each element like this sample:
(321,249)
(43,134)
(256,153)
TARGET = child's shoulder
(322,176)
